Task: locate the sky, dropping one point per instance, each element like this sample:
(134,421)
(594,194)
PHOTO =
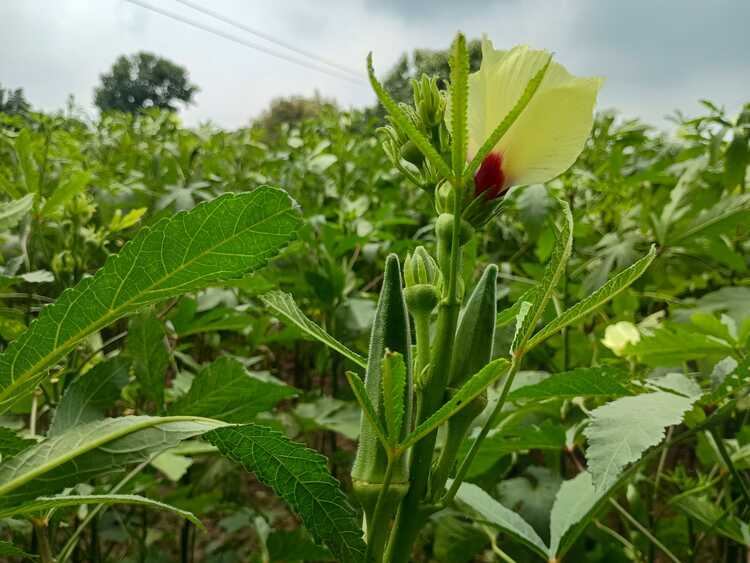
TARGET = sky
(656,55)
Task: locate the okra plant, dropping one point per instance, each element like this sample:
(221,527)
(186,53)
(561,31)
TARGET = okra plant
(433,390)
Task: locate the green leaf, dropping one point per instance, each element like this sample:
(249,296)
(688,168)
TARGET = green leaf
(43,504)
(572,511)
(725,215)
(11,443)
(585,307)
(711,515)
(394,385)
(510,439)
(546,287)
(459,106)
(148,349)
(492,512)
(224,390)
(405,124)
(73,184)
(300,477)
(581,382)
(90,450)
(509,314)
(463,397)
(368,409)
(675,344)
(621,431)
(7,548)
(90,395)
(12,212)
(509,119)
(283,304)
(215,241)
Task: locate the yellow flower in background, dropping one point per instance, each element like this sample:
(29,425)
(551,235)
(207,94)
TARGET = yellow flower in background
(550,133)
(618,336)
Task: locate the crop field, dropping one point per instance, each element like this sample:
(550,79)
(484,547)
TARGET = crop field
(484,320)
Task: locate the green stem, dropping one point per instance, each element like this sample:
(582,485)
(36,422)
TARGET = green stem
(488,425)
(422,329)
(641,528)
(42,535)
(730,465)
(411,516)
(377,529)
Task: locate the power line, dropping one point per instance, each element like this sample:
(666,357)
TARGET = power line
(246,43)
(269,38)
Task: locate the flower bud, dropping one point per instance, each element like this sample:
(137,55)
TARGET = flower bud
(429,101)
(423,279)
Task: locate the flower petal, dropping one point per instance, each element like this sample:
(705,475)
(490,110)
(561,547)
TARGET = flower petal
(549,135)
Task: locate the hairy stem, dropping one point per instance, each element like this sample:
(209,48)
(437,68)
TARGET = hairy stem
(411,516)
(377,529)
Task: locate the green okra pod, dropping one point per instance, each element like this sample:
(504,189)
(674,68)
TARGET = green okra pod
(390,332)
(472,351)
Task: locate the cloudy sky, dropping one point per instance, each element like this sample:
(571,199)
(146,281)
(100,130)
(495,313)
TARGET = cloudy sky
(656,55)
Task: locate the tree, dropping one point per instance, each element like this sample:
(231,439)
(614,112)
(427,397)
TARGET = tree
(293,110)
(425,61)
(13,102)
(142,81)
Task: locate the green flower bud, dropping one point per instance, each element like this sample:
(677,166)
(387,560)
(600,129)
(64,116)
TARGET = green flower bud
(390,331)
(429,101)
(423,280)
(410,153)
(420,268)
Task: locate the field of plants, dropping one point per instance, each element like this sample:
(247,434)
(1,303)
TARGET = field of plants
(360,338)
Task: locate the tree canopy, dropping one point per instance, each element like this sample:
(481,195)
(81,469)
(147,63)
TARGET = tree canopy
(142,81)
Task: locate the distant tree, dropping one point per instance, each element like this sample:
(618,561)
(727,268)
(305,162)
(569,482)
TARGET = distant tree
(13,102)
(143,81)
(425,61)
(293,110)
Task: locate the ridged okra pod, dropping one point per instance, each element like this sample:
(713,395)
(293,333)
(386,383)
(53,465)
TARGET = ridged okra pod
(390,331)
(475,337)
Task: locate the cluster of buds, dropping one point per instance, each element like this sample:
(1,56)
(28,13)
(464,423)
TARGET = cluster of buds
(428,116)
(423,282)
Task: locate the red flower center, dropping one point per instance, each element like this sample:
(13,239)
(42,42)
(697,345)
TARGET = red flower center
(490,179)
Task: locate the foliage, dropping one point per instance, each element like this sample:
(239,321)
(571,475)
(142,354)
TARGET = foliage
(141,81)
(174,329)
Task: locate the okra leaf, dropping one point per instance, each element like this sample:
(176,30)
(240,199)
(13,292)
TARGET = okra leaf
(90,395)
(283,304)
(405,124)
(224,390)
(509,314)
(91,450)
(11,443)
(621,431)
(7,548)
(12,212)
(217,240)
(467,393)
(602,381)
(552,273)
(459,103)
(394,385)
(509,119)
(586,306)
(147,348)
(300,477)
(490,511)
(573,509)
(368,409)
(43,504)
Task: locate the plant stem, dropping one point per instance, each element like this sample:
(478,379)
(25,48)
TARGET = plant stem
(422,329)
(730,465)
(42,534)
(377,530)
(411,516)
(488,425)
(641,528)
